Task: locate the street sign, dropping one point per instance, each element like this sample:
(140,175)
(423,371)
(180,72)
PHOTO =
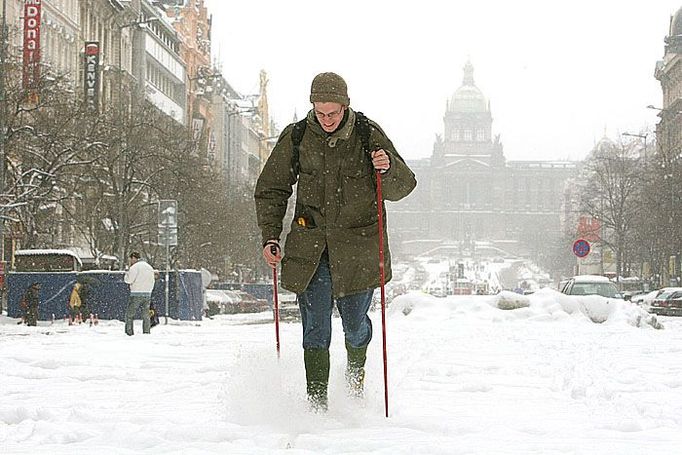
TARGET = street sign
(581,248)
(168,222)
(168,236)
(168,213)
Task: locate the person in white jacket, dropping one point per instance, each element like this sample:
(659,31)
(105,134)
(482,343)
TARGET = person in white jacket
(140,277)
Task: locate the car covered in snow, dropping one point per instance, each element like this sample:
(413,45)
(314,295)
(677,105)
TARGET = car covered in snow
(590,285)
(288,306)
(222,301)
(668,302)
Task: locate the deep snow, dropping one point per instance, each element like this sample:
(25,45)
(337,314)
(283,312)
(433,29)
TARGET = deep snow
(465,377)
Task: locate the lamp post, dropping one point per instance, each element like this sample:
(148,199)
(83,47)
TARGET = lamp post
(669,161)
(120,52)
(200,86)
(123,216)
(641,136)
(230,125)
(3,135)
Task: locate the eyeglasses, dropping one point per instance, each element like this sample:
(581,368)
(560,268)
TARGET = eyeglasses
(330,116)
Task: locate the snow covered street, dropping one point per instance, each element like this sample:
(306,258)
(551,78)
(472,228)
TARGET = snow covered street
(465,378)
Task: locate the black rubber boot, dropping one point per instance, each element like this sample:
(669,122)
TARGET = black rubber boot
(355,370)
(317,377)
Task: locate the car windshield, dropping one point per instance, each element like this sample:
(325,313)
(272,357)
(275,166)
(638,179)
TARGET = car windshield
(603,289)
(672,294)
(663,295)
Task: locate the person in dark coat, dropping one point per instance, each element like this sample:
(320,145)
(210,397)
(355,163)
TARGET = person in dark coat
(332,251)
(30,303)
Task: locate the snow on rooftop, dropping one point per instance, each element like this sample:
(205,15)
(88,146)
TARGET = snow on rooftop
(591,279)
(45,251)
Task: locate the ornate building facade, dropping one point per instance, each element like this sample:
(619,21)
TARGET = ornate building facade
(668,155)
(469,194)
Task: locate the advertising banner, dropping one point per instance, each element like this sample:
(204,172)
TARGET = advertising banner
(31,63)
(91,76)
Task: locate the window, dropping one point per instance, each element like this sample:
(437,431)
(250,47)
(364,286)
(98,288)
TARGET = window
(468,134)
(480,135)
(456,134)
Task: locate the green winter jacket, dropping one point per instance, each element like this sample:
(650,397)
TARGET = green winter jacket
(336,195)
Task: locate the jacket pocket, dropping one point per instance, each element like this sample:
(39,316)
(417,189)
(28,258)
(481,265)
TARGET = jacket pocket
(357,186)
(308,191)
(359,199)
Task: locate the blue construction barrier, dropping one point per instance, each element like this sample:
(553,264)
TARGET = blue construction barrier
(105,293)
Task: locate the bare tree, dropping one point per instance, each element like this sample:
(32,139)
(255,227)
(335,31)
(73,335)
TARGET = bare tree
(610,194)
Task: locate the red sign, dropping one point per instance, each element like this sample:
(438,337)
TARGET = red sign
(91,76)
(581,248)
(31,74)
(589,228)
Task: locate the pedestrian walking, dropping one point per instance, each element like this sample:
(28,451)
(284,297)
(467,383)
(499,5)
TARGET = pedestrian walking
(140,278)
(331,254)
(75,304)
(29,303)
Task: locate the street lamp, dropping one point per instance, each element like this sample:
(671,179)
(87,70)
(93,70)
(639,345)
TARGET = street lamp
(120,52)
(203,85)
(3,116)
(230,139)
(663,109)
(668,159)
(124,237)
(641,136)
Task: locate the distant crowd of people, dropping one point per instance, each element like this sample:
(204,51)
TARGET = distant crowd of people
(140,277)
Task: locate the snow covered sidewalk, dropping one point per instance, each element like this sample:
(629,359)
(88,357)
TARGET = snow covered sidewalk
(465,377)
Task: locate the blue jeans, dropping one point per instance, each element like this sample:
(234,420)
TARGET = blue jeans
(316,304)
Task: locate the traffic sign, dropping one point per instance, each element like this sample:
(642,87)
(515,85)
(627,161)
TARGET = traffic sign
(168,213)
(581,248)
(168,236)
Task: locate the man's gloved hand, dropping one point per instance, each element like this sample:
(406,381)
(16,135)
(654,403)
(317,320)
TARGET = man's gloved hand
(380,160)
(272,253)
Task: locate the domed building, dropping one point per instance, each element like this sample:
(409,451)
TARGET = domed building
(469,195)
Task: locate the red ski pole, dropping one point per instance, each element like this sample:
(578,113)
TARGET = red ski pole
(380,206)
(275,295)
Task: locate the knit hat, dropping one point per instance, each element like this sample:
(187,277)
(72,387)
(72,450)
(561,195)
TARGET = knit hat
(329,88)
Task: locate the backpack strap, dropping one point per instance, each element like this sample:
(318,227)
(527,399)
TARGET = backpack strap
(362,123)
(296,138)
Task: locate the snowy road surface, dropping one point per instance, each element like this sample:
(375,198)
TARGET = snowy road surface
(465,378)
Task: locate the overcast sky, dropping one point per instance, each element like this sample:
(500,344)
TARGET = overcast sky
(558,75)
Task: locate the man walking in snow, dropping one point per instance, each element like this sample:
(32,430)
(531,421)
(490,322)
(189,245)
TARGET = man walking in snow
(332,251)
(140,278)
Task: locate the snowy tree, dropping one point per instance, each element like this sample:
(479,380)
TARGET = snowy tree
(610,194)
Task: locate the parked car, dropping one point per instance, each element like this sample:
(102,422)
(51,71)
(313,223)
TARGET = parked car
(667,303)
(288,306)
(646,298)
(221,302)
(250,304)
(590,285)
